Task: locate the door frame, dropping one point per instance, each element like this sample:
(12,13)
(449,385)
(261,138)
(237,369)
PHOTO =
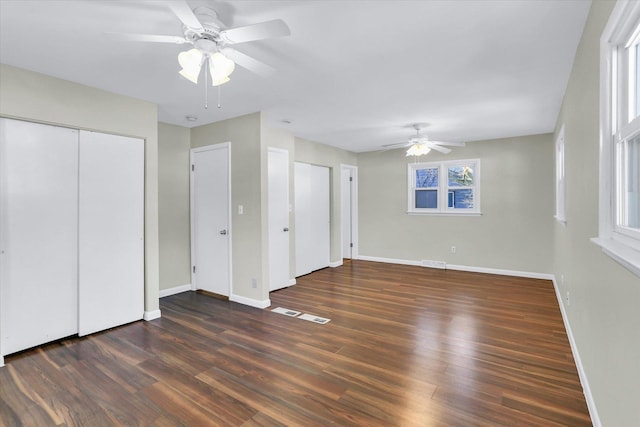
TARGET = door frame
(353,170)
(192,153)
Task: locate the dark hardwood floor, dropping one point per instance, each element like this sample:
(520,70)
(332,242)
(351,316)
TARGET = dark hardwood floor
(405,346)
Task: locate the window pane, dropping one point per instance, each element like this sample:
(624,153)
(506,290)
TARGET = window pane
(461,198)
(426,199)
(460,176)
(427,178)
(632,184)
(637,77)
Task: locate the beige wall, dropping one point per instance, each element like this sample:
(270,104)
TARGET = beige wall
(40,98)
(513,233)
(324,155)
(174,143)
(248,177)
(604,310)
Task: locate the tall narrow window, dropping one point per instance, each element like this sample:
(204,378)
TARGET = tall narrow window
(560,178)
(619,233)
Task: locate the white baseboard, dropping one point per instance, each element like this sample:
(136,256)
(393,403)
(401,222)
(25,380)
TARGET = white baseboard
(390,260)
(335,264)
(150,315)
(175,290)
(292,282)
(1,361)
(586,389)
(501,272)
(250,301)
(425,263)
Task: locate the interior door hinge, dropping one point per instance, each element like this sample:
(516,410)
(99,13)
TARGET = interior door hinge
(350,245)
(194,268)
(193,167)
(350,178)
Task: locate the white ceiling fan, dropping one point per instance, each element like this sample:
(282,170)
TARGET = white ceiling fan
(211,40)
(421,144)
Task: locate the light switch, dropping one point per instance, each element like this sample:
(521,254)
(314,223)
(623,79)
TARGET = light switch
(240,209)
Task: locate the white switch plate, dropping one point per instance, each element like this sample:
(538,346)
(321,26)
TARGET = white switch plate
(240,209)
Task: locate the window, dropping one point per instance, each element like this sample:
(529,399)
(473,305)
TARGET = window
(619,222)
(560,179)
(450,188)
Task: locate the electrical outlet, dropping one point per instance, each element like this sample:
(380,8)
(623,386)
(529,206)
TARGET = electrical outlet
(240,209)
(453,249)
(562,280)
(254,282)
(568,299)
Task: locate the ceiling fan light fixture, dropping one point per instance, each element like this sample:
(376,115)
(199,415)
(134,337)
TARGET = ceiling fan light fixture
(220,66)
(191,63)
(418,150)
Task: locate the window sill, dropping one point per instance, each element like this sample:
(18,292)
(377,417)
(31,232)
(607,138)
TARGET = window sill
(445,213)
(621,253)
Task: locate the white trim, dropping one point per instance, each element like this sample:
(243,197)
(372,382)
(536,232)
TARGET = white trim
(560,178)
(586,389)
(175,290)
(498,271)
(501,272)
(390,260)
(1,361)
(335,264)
(151,315)
(250,301)
(291,282)
(621,253)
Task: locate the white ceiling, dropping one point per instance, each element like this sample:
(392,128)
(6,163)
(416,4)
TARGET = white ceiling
(353,74)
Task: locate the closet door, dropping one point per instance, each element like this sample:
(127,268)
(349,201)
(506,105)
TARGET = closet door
(312,232)
(111,231)
(38,233)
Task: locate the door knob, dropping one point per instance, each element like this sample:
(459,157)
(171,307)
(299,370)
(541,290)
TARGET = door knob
(285,229)
(223,232)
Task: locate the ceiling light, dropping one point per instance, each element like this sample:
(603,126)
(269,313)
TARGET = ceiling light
(191,62)
(418,150)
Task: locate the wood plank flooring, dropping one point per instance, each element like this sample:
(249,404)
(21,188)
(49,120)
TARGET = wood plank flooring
(406,346)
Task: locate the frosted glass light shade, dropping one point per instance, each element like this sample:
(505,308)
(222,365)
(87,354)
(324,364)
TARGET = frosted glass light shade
(191,62)
(220,67)
(418,150)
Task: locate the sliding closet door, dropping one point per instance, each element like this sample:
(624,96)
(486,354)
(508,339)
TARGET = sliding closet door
(38,233)
(111,230)
(312,233)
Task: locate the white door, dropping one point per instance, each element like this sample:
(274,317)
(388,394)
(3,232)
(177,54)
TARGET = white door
(38,233)
(349,213)
(210,225)
(278,169)
(345,188)
(312,219)
(110,231)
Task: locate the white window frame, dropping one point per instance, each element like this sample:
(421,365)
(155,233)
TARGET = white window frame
(561,186)
(620,243)
(443,188)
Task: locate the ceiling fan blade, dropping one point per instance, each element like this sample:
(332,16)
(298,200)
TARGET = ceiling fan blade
(184,13)
(439,148)
(398,145)
(147,38)
(263,30)
(251,64)
(451,144)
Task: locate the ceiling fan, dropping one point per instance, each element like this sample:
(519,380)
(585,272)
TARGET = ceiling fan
(421,144)
(211,40)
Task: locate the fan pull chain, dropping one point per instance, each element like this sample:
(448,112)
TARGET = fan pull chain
(206,91)
(219,96)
